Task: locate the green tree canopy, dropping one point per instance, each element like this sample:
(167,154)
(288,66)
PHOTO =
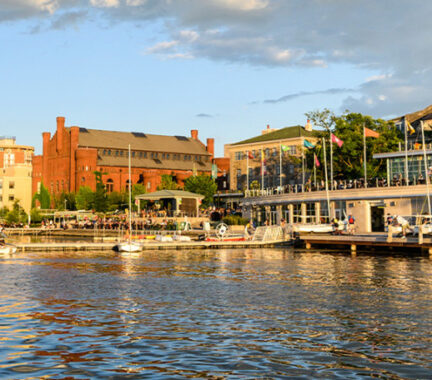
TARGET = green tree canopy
(84,198)
(100,201)
(43,197)
(202,184)
(17,214)
(167,183)
(348,159)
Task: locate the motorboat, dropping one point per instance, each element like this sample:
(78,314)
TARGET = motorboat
(8,249)
(313,228)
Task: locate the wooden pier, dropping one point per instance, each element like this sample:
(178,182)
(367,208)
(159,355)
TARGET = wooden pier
(374,240)
(148,246)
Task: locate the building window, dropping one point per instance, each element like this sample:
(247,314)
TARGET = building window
(110,186)
(274,153)
(82,179)
(239,172)
(121,153)
(116,153)
(109,152)
(167,156)
(11,197)
(127,185)
(267,152)
(133,154)
(11,185)
(238,156)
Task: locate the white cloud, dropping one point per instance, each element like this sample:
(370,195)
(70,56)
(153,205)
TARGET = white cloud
(105,3)
(379,36)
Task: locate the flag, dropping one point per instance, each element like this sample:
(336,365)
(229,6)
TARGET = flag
(250,155)
(370,133)
(317,163)
(409,127)
(284,148)
(337,140)
(308,144)
(263,168)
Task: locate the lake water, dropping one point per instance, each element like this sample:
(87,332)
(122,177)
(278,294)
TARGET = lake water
(262,313)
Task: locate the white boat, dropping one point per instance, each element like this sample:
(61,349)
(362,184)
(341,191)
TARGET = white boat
(313,228)
(7,249)
(129,246)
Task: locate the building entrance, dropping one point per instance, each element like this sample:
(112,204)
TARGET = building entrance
(377,218)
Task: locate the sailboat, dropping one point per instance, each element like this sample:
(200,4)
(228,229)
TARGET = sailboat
(129,246)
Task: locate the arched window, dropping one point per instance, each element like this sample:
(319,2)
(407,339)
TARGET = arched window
(127,185)
(110,186)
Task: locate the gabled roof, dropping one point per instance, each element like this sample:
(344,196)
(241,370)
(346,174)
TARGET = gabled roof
(95,138)
(167,194)
(151,163)
(280,134)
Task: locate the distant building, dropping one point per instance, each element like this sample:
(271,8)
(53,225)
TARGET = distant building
(415,119)
(72,154)
(246,155)
(16,173)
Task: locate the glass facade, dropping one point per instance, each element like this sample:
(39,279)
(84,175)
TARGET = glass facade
(416,167)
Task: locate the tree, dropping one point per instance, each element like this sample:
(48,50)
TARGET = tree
(117,201)
(17,214)
(84,198)
(43,197)
(348,159)
(137,189)
(100,197)
(167,183)
(324,119)
(202,184)
(65,200)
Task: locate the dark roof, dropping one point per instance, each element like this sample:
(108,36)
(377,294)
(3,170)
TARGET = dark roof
(424,114)
(150,163)
(280,134)
(94,138)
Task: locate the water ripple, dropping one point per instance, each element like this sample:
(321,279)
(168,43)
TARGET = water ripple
(225,314)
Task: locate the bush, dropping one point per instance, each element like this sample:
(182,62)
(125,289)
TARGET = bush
(235,220)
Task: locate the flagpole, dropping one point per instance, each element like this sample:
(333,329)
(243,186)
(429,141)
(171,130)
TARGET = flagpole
(331,161)
(326,179)
(406,153)
(426,169)
(364,156)
(247,170)
(280,165)
(303,169)
(314,170)
(262,169)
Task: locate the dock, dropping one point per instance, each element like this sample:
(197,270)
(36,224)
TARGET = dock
(365,241)
(148,246)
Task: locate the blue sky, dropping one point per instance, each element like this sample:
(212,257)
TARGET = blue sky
(225,67)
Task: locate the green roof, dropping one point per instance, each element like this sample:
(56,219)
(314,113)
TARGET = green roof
(280,134)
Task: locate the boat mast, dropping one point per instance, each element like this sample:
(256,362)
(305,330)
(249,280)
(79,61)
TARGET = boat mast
(130,195)
(426,169)
(326,179)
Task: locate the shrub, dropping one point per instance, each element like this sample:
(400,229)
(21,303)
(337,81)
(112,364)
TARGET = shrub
(235,220)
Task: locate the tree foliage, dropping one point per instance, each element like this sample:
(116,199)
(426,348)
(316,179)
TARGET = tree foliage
(84,198)
(348,159)
(100,197)
(43,197)
(168,183)
(17,214)
(202,184)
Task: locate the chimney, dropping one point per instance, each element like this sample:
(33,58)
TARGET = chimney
(308,126)
(210,147)
(60,130)
(194,134)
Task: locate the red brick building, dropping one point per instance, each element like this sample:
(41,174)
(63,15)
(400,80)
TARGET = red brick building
(72,154)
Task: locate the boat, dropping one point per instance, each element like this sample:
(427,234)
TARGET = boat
(313,228)
(129,246)
(8,249)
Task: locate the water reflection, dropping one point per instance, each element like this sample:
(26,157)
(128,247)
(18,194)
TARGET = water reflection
(228,313)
